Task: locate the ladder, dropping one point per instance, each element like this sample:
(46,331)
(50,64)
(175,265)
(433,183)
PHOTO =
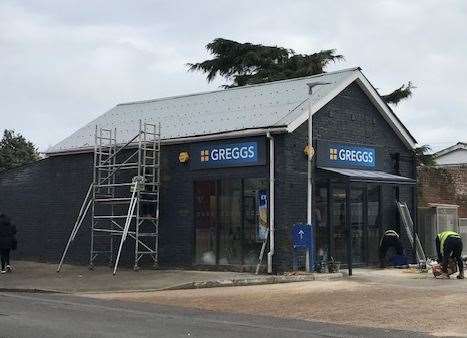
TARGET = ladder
(147,219)
(104,193)
(411,235)
(123,198)
(81,215)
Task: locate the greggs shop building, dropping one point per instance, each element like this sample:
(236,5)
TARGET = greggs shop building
(234,174)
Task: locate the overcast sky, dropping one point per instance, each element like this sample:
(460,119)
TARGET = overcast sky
(63,63)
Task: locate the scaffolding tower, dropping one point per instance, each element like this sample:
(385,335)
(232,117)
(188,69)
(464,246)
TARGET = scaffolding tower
(123,198)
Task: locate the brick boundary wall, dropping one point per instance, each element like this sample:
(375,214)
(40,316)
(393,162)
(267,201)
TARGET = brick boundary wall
(443,185)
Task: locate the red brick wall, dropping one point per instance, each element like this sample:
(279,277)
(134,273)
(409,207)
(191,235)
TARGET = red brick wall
(443,185)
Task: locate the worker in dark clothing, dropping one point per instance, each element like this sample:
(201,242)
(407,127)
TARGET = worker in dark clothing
(7,242)
(449,244)
(389,240)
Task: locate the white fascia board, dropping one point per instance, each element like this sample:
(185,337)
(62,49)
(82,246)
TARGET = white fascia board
(320,104)
(189,139)
(374,98)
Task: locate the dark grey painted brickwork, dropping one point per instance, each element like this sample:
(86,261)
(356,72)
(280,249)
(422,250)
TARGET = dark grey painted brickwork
(44,198)
(177,232)
(350,117)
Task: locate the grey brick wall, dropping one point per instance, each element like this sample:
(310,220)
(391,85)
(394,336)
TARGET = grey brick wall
(43,199)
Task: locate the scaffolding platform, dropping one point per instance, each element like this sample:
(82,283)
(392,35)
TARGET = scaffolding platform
(123,199)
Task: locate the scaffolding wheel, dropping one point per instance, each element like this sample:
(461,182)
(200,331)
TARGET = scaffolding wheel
(155,266)
(136,268)
(91,267)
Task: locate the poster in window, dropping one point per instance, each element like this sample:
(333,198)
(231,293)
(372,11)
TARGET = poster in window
(262,226)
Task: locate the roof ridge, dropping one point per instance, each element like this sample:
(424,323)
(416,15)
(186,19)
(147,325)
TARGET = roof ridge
(444,151)
(238,88)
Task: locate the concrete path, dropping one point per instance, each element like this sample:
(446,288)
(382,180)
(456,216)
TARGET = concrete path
(31,276)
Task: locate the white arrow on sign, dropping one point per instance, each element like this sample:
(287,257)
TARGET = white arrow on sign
(301,233)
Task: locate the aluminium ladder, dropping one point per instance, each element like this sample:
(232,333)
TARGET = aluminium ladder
(411,234)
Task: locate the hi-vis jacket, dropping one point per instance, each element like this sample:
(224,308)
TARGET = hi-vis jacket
(442,236)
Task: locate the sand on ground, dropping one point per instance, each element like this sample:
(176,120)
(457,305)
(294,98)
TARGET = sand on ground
(426,308)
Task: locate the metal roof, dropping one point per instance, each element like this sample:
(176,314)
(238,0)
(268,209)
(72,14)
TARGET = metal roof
(457,146)
(256,107)
(370,175)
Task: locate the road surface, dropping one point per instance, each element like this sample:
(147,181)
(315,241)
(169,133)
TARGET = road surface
(58,315)
(385,299)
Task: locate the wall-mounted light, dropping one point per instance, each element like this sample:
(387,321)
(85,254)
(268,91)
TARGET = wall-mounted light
(309,151)
(183,157)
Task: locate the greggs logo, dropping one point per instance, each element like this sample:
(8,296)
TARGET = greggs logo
(232,153)
(229,153)
(356,155)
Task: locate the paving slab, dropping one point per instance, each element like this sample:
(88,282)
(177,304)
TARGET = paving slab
(42,277)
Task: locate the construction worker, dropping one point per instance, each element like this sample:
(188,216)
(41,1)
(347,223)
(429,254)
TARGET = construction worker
(449,244)
(389,240)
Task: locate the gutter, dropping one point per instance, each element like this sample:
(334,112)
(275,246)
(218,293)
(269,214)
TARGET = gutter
(271,201)
(188,139)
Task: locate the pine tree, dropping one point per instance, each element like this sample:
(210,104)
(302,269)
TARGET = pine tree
(15,151)
(246,63)
(423,156)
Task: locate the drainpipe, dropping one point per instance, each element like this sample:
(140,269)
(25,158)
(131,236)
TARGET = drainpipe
(271,201)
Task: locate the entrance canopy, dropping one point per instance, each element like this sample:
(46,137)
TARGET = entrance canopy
(371,176)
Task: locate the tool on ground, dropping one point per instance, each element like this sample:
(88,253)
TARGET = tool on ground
(451,269)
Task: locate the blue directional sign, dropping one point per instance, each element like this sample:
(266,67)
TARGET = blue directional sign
(302,236)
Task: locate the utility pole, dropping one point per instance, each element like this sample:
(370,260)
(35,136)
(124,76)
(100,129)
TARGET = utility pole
(310,181)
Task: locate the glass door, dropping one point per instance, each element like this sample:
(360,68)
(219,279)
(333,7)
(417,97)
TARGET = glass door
(205,206)
(357,203)
(230,222)
(321,222)
(365,222)
(338,223)
(374,223)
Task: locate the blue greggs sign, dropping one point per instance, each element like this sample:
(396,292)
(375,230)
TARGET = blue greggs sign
(247,152)
(345,155)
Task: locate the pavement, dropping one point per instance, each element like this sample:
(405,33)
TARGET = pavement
(63,315)
(389,299)
(42,277)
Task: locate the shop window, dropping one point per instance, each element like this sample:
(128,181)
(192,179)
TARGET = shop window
(255,215)
(227,216)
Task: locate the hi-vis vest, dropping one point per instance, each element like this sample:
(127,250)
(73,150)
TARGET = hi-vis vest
(445,235)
